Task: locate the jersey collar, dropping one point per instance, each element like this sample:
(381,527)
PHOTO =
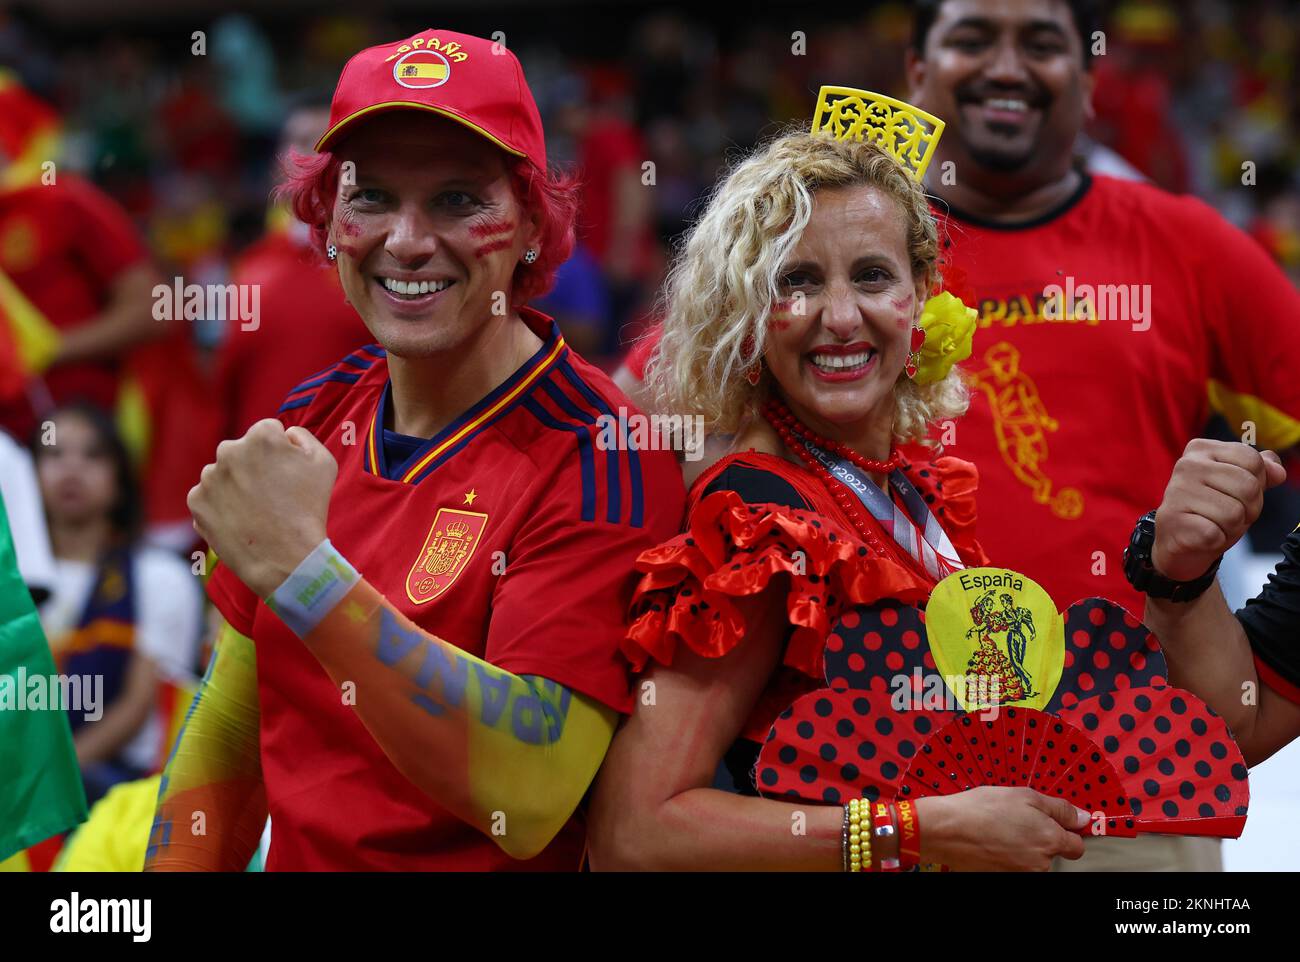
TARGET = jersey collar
(494,405)
(1060,210)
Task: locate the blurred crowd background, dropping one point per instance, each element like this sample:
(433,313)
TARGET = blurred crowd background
(1186,93)
(184,144)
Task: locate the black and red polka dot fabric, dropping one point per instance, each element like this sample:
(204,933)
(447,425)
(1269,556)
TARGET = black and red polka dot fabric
(883,648)
(1114,738)
(1020,747)
(830,746)
(1106,649)
(1180,766)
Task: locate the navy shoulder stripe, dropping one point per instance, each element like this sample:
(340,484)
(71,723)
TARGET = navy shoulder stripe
(598,403)
(586,460)
(348,370)
(357,360)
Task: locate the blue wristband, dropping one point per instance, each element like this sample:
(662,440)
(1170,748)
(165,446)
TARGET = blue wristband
(313,589)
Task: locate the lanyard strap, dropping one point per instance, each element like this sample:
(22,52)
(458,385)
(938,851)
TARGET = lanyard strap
(915,529)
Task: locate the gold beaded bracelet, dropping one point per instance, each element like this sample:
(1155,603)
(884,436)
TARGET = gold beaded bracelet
(859,838)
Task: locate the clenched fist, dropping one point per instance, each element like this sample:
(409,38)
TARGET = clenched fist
(1215,494)
(262,506)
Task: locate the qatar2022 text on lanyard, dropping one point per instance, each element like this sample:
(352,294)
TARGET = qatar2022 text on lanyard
(916,530)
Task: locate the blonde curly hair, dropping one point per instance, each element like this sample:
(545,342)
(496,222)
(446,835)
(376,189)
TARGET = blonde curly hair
(725,280)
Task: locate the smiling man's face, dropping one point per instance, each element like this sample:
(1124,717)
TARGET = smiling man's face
(1008,78)
(429,235)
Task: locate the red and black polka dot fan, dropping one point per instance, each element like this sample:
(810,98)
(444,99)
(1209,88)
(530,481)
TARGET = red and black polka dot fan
(1113,738)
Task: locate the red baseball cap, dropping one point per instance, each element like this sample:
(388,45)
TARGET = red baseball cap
(475,82)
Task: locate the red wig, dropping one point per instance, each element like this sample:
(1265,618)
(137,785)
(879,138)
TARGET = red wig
(310,188)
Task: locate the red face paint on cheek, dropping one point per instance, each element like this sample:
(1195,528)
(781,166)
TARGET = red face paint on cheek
(492,228)
(779,320)
(904,306)
(351,229)
(493,246)
(496,235)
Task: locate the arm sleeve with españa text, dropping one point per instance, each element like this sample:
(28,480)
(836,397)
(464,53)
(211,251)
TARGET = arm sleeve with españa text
(511,755)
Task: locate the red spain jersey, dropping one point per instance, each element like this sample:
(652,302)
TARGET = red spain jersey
(1077,416)
(552,524)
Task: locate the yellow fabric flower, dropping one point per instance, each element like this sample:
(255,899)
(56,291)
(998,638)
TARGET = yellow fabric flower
(949,327)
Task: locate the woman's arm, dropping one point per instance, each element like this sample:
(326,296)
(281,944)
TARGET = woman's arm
(104,738)
(654,808)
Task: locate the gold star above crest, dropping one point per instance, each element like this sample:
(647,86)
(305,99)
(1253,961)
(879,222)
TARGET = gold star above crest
(470,495)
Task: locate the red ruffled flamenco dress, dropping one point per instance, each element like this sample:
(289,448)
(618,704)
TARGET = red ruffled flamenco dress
(835,554)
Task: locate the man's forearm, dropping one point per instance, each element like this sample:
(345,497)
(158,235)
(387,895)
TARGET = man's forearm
(511,755)
(1209,655)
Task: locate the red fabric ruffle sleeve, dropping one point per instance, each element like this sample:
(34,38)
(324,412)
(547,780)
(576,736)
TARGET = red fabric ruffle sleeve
(732,550)
(954,485)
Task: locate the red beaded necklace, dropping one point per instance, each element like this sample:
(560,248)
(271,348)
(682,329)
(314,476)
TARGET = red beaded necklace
(787,426)
(778,414)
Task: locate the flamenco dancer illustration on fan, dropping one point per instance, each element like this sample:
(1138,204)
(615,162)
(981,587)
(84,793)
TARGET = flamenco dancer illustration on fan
(988,667)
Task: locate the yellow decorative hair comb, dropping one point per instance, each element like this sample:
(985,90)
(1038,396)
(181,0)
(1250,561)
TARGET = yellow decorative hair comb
(908,133)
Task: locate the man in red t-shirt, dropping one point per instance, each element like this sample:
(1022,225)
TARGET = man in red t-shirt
(426,560)
(1113,317)
(306,323)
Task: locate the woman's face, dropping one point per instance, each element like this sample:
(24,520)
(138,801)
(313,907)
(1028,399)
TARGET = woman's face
(838,339)
(429,234)
(77,475)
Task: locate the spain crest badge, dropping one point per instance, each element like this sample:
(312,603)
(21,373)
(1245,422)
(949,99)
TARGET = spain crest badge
(447,550)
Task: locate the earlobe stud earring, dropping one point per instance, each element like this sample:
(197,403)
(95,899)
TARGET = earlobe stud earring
(332,252)
(530,256)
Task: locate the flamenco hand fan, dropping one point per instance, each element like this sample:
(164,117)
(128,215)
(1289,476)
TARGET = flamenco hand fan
(830,746)
(1181,769)
(855,738)
(1021,747)
(1106,649)
(991,686)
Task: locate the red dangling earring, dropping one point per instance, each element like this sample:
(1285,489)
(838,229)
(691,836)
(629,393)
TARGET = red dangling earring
(753,373)
(914,356)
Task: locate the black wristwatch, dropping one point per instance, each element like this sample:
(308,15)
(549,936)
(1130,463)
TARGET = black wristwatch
(1142,575)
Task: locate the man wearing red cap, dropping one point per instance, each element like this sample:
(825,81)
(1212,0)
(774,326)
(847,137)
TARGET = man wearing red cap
(426,559)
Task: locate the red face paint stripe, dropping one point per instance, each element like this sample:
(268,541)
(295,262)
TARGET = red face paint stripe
(494,227)
(496,245)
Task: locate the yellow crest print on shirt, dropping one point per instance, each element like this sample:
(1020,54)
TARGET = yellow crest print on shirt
(1000,632)
(447,549)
